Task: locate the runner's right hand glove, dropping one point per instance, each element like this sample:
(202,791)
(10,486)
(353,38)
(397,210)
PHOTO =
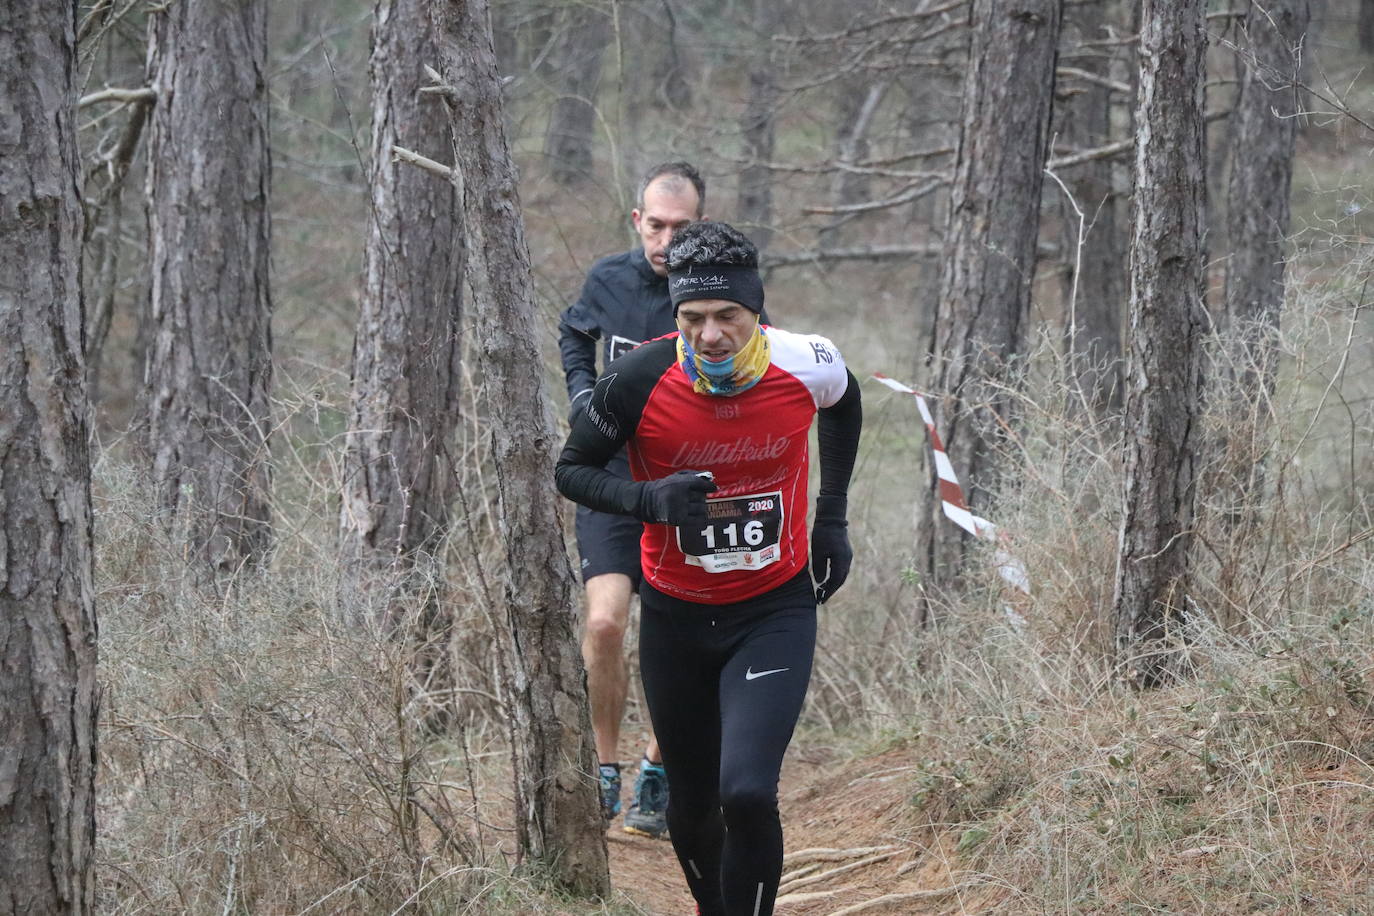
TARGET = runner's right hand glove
(830,550)
(678,499)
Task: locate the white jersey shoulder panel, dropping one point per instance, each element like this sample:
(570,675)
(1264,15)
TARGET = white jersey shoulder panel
(813,360)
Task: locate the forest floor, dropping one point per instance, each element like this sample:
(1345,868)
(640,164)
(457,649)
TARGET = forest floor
(849,846)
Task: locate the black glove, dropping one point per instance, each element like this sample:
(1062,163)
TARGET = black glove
(678,499)
(830,550)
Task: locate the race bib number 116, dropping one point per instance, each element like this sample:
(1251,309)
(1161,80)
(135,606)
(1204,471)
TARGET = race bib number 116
(741,532)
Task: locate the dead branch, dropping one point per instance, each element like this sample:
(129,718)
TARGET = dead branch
(904,198)
(883,24)
(811,896)
(861,253)
(907,897)
(144,95)
(843,869)
(1112,149)
(1096,78)
(401,154)
(829,854)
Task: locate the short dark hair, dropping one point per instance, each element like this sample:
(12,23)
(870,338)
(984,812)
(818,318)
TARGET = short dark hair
(702,244)
(678,173)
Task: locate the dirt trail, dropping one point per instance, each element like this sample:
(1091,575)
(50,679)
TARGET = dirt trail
(847,845)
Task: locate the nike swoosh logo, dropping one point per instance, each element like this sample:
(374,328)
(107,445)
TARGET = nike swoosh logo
(750,674)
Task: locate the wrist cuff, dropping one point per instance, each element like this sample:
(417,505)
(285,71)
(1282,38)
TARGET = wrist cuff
(832,510)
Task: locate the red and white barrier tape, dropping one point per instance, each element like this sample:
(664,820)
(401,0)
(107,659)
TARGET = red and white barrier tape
(956,509)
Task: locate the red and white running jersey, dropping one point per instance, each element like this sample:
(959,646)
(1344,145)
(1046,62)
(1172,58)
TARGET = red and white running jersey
(755,444)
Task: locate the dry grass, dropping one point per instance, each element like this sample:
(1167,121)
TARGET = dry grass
(261,755)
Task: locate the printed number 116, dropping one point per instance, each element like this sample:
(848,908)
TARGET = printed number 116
(753,534)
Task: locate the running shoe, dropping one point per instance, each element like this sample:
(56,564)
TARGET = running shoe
(648,814)
(610,791)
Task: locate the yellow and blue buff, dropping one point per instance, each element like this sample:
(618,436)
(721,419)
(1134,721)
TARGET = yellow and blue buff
(731,376)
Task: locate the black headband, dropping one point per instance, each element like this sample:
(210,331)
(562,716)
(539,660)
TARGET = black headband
(717,281)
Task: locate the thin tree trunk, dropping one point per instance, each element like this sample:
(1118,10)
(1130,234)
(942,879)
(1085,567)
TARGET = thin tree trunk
(47,606)
(576,64)
(1094,252)
(104,227)
(398,470)
(856,108)
(1264,128)
(558,809)
(985,291)
(754,208)
(1164,369)
(210,365)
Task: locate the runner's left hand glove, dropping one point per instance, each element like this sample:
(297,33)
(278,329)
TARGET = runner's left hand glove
(830,550)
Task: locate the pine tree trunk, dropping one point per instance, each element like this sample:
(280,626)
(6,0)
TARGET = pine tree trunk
(1094,250)
(576,63)
(754,208)
(1164,369)
(210,361)
(1264,131)
(47,608)
(990,246)
(398,468)
(558,814)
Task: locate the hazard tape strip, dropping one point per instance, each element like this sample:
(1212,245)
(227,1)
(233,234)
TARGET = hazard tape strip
(955,507)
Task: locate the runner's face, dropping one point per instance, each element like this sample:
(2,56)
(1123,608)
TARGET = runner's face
(716,328)
(665,211)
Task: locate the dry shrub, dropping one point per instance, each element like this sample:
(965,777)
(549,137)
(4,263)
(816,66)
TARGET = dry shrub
(263,750)
(1246,786)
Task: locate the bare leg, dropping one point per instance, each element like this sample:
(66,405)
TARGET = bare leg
(603,652)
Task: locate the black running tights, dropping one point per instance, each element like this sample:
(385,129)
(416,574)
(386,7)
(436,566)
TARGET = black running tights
(725,686)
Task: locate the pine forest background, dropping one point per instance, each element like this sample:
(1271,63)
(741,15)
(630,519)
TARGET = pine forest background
(275,747)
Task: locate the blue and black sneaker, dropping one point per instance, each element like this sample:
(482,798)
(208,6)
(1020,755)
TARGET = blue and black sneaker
(648,814)
(610,790)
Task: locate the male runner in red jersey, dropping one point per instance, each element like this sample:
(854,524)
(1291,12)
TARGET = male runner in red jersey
(716,419)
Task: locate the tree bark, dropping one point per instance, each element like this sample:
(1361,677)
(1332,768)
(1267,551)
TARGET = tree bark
(210,365)
(1095,258)
(990,248)
(559,821)
(398,470)
(576,67)
(1366,25)
(1264,129)
(47,607)
(1164,368)
(754,207)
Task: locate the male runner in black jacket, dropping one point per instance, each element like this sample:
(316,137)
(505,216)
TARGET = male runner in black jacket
(624,302)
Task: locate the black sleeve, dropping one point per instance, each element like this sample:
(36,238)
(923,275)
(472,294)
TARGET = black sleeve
(577,347)
(602,429)
(837,436)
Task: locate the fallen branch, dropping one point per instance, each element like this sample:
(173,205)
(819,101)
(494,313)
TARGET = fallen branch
(811,896)
(799,873)
(843,869)
(828,854)
(901,898)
